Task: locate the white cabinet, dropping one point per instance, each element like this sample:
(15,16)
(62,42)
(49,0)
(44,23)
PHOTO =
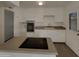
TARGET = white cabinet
(58,14)
(6,24)
(42,33)
(58,35)
(33,34)
(55,35)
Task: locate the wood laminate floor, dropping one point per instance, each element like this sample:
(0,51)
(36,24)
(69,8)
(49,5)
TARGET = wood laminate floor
(64,51)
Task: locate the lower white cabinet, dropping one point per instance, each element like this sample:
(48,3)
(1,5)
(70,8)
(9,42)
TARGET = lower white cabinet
(55,35)
(58,35)
(42,33)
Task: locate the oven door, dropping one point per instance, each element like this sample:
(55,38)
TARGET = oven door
(30,27)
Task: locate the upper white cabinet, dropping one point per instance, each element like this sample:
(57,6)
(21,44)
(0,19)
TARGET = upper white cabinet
(55,13)
(9,3)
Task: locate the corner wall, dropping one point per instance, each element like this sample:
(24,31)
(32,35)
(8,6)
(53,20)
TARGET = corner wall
(72,40)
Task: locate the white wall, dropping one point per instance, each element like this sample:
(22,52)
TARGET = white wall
(72,40)
(36,14)
(16,3)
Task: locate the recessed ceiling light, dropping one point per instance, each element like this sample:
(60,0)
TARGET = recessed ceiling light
(40,3)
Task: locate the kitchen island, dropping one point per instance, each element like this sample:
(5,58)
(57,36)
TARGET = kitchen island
(11,49)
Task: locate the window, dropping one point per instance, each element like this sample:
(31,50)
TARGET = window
(73,21)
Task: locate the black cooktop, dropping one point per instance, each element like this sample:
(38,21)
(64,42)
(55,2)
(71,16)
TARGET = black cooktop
(35,43)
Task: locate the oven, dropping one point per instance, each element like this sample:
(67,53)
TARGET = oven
(30,26)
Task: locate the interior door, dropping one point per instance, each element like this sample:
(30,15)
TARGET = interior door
(9,24)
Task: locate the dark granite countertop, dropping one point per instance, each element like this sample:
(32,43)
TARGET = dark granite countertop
(51,27)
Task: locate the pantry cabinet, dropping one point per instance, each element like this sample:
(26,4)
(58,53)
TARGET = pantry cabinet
(6,24)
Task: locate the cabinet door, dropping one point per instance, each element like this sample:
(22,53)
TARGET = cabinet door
(9,24)
(43,33)
(58,35)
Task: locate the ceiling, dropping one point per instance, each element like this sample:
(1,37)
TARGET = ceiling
(47,4)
